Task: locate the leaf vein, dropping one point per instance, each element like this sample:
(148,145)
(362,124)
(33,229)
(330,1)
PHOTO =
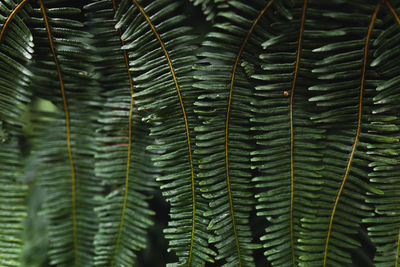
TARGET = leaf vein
(124,205)
(227,122)
(9,18)
(291,129)
(186,124)
(67,125)
(371,25)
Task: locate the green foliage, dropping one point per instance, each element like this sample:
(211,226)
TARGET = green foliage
(268,127)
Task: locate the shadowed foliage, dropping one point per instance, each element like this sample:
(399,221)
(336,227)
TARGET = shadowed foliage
(269,127)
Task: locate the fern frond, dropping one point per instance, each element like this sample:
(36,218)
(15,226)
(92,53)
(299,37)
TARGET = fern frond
(384,227)
(160,52)
(288,162)
(224,107)
(62,75)
(344,98)
(128,175)
(289,110)
(118,238)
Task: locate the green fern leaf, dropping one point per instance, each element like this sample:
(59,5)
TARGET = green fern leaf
(160,52)
(384,227)
(283,124)
(124,214)
(288,164)
(344,97)
(224,107)
(66,145)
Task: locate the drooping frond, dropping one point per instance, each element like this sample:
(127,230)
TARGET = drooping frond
(66,145)
(223,140)
(344,97)
(384,227)
(161,53)
(280,125)
(122,162)
(288,153)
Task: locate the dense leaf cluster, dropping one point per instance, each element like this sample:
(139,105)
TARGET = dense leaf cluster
(268,126)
